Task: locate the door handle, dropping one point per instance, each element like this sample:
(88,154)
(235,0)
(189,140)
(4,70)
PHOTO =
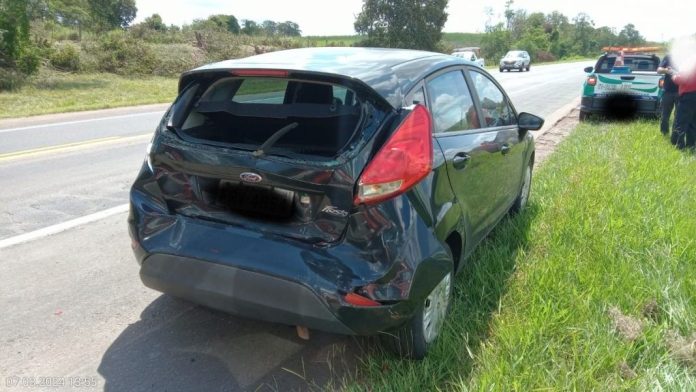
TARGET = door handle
(460,160)
(505,149)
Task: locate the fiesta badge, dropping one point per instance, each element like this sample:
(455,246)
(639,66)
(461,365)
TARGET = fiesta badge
(250,177)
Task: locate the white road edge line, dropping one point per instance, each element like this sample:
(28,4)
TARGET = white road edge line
(60,227)
(79,121)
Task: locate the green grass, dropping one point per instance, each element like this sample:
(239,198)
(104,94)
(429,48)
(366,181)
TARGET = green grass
(56,92)
(458,40)
(612,223)
(331,40)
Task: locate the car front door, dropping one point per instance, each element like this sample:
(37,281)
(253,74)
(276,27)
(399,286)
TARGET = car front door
(498,118)
(470,151)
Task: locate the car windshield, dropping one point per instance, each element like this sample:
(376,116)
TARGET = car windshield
(270,115)
(514,54)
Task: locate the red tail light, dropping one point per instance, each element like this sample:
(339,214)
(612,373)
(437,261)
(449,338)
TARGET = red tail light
(359,300)
(662,83)
(274,73)
(404,160)
(592,80)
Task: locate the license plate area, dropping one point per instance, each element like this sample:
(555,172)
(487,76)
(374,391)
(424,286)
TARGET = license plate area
(263,202)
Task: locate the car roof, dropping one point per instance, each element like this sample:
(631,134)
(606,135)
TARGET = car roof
(389,72)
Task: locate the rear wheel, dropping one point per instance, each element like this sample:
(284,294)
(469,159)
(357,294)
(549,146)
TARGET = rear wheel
(523,197)
(414,338)
(501,69)
(528,66)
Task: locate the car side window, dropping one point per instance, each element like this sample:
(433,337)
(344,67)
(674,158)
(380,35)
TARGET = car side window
(497,111)
(451,103)
(416,96)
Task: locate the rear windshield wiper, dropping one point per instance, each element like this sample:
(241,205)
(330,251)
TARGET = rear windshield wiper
(274,138)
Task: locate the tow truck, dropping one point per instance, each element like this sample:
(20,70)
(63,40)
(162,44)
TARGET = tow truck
(472,53)
(624,82)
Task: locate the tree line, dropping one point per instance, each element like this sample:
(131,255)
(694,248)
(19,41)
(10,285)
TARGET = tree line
(553,36)
(115,40)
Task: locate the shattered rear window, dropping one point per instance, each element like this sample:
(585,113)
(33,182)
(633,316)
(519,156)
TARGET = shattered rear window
(274,116)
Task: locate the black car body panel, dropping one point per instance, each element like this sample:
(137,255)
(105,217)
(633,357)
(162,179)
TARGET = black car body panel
(390,73)
(295,261)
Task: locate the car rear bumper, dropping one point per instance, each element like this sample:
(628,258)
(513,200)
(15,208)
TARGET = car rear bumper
(239,292)
(603,104)
(276,279)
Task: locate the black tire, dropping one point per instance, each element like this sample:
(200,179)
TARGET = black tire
(583,116)
(528,67)
(501,69)
(410,340)
(525,190)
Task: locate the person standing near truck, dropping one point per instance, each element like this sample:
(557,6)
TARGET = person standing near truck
(670,97)
(686,114)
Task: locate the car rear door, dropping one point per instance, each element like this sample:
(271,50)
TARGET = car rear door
(498,117)
(471,152)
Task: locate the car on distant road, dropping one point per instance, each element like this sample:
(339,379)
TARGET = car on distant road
(624,82)
(470,55)
(515,59)
(338,189)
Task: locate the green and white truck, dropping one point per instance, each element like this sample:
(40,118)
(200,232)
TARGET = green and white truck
(623,80)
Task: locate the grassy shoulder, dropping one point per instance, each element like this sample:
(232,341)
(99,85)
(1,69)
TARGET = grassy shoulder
(592,288)
(58,92)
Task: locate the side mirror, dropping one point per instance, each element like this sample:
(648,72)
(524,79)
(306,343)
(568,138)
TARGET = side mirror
(529,122)
(588,69)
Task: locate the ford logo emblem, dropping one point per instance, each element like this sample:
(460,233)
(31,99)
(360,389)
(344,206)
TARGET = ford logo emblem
(250,177)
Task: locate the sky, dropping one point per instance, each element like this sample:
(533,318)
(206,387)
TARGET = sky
(657,20)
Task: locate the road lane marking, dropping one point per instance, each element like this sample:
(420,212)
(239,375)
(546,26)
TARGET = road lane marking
(69,147)
(60,227)
(58,124)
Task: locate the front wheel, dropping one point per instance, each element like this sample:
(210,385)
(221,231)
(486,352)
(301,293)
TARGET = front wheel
(418,334)
(528,66)
(501,69)
(523,197)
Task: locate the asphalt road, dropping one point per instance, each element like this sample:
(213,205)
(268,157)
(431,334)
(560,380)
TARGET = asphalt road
(74,305)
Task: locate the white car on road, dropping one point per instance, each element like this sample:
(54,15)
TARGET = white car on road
(471,56)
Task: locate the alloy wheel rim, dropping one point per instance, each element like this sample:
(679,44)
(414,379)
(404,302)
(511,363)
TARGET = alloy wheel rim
(435,308)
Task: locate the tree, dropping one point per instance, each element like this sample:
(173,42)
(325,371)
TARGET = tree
(233,25)
(14,31)
(111,14)
(496,42)
(509,13)
(155,22)
(583,40)
(629,36)
(269,27)
(250,27)
(289,29)
(410,24)
(73,13)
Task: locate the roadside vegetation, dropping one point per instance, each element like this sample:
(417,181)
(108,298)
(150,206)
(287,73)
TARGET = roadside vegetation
(592,288)
(75,40)
(57,92)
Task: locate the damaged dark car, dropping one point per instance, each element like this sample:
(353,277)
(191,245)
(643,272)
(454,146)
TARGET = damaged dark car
(337,189)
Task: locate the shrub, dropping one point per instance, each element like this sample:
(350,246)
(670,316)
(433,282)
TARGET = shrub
(65,57)
(29,60)
(11,79)
(173,59)
(119,53)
